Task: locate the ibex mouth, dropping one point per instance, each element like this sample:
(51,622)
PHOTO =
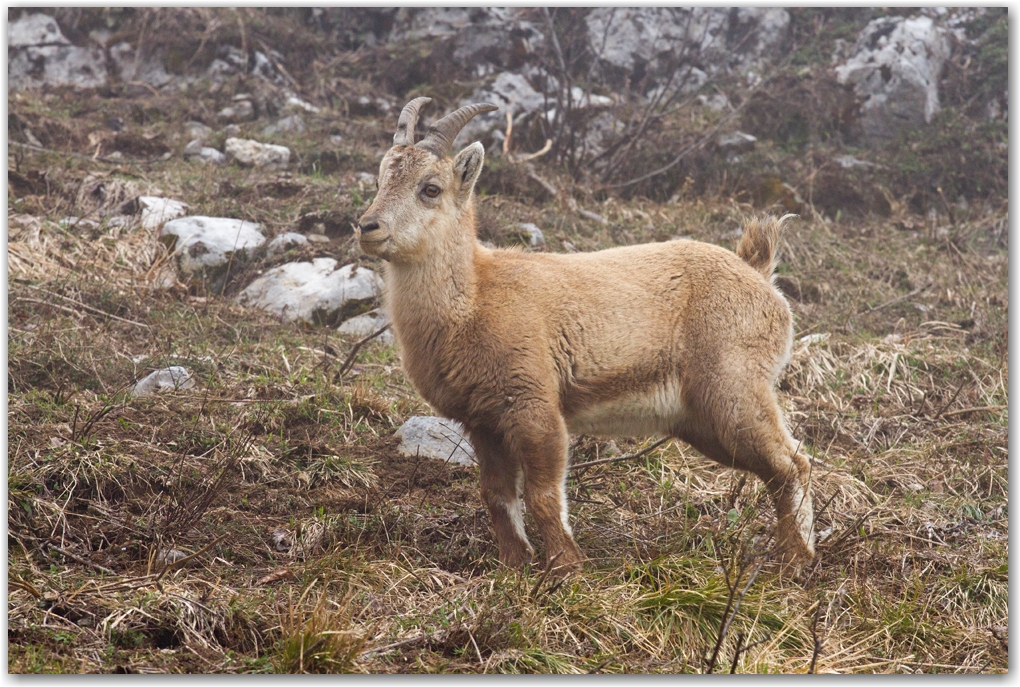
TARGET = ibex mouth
(377,236)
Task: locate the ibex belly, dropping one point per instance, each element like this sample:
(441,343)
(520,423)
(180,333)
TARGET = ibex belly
(655,410)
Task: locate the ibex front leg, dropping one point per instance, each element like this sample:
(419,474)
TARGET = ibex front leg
(501,477)
(541,444)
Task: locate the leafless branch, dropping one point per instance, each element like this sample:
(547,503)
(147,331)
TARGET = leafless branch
(816,638)
(618,459)
(349,362)
(736,653)
(733,602)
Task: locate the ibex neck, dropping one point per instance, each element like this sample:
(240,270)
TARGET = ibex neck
(438,290)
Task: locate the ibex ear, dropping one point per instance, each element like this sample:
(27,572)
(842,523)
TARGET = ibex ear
(467,166)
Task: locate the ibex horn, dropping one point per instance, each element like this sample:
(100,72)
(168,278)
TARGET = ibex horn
(408,120)
(439,138)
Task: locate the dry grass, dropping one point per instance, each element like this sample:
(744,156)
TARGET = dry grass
(263,522)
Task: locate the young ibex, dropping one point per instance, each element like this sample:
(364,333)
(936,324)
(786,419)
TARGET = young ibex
(682,339)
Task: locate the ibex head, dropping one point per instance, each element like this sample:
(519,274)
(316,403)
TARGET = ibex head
(420,186)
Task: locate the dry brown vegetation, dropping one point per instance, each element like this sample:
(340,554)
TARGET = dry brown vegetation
(263,521)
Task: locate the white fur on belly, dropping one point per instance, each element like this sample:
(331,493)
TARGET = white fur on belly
(651,411)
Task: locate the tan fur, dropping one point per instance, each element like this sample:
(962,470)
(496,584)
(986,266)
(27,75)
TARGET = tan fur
(681,338)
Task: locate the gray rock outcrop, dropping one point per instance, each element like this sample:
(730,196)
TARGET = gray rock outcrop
(34,29)
(895,71)
(315,292)
(509,92)
(435,437)
(647,40)
(42,56)
(486,39)
(512,92)
(149,69)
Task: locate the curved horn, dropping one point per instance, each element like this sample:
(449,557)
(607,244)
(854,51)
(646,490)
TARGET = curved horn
(439,138)
(408,120)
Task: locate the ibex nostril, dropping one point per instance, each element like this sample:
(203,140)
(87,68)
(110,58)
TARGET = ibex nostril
(369,226)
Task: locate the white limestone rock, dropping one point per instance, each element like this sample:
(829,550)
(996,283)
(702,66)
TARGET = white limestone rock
(196,152)
(172,378)
(737,142)
(284,242)
(315,292)
(249,153)
(536,239)
(56,65)
(239,111)
(198,131)
(366,325)
(156,211)
(34,29)
(205,244)
(296,103)
(291,124)
(435,437)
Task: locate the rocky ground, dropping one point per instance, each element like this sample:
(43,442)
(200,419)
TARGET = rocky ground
(214,466)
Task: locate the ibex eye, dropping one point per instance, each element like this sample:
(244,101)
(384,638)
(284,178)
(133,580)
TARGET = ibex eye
(431,190)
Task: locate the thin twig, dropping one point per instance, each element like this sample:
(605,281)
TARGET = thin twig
(533,175)
(143,84)
(66,153)
(86,307)
(395,645)
(618,459)
(897,299)
(83,561)
(736,653)
(734,602)
(534,156)
(354,352)
(51,305)
(545,574)
(509,132)
(181,562)
(818,640)
(960,388)
(974,410)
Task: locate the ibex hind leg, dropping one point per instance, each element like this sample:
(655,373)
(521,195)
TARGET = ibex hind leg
(745,430)
(500,478)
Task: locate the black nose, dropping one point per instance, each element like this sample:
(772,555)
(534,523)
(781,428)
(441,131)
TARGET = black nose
(370,225)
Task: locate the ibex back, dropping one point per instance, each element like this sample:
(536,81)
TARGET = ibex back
(682,339)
